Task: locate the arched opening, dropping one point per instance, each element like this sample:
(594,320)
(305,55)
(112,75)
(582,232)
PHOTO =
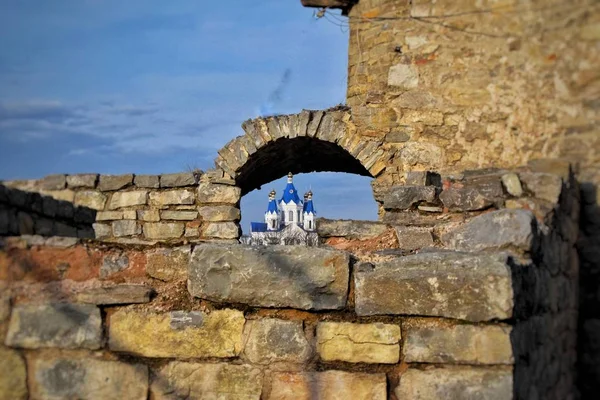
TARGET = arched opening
(295,155)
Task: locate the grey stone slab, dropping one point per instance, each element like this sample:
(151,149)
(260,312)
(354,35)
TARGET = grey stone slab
(114,182)
(274,340)
(446,284)
(473,195)
(117,294)
(350,229)
(53,182)
(63,325)
(501,229)
(82,181)
(147,181)
(177,180)
(406,197)
(274,276)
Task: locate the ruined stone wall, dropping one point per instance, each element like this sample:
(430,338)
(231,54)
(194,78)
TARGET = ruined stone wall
(450,300)
(126,208)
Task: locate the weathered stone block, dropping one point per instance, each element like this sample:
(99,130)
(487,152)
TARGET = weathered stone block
(117,294)
(219,213)
(109,215)
(128,199)
(177,180)
(368,343)
(102,231)
(405,76)
(53,182)
(163,230)
(82,181)
(328,385)
(130,214)
(114,182)
(221,230)
(177,334)
(147,181)
(113,263)
(13,375)
(125,228)
(211,193)
(274,276)
(543,186)
(170,197)
(451,383)
(405,197)
(414,238)
(179,215)
(453,285)
(494,230)
(148,215)
(431,342)
(349,228)
(275,340)
(206,381)
(90,199)
(70,378)
(168,264)
(473,195)
(63,325)
(512,184)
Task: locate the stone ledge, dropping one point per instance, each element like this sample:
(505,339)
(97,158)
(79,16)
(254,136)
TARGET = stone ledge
(274,276)
(473,287)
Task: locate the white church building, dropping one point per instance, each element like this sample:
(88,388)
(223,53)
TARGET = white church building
(289,220)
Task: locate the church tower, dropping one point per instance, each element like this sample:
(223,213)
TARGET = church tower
(290,204)
(309,212)
(272,218)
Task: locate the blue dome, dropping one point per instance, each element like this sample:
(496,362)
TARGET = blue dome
(272,207)
(309,208)
(290,194)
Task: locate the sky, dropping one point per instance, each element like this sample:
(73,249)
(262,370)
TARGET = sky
(154,87)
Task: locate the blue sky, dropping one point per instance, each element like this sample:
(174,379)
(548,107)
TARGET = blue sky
(155,87)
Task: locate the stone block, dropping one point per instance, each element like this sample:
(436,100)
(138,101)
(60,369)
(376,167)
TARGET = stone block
(219,213)
(452,383)
(163,230)
(128,199)
(172,197)
(109,215)
(543,186)
(473,195)
(102,231)
(148,215)
(168,264)
(147,181)
(349,228)
(405,197)
(53,182)
(221,230)
(397,137)
(63,195)
(114,182)
(177,180)
(113,263)
(76,378)
(130,214)
(404,76)
(90,199)
(274,340)
(117,294)
(367,343)
(206,381)
(512,184)
(414,238)
(453,285)
(212,193)
(432,342)
(274,276)
(327,385)
(507,228)
(125,228)
(82,181)
(63,325)
(179,215)
(13,375)
(177,334)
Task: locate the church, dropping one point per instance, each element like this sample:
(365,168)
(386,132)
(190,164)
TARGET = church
(289,220)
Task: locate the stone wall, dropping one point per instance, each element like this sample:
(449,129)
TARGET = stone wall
(430,307)
(142,209)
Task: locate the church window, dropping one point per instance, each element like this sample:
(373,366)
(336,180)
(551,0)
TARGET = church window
(309,224)
(298,216)
(291,216)
(273,224)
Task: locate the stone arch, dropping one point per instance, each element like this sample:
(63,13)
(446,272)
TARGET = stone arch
(310,141)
